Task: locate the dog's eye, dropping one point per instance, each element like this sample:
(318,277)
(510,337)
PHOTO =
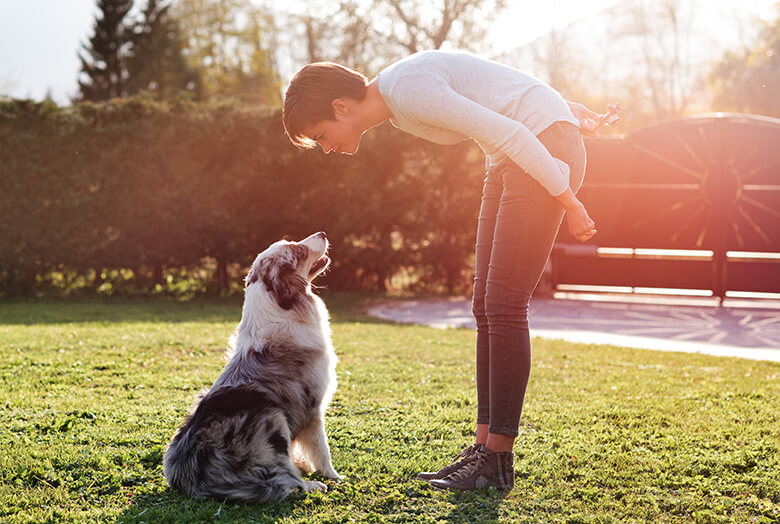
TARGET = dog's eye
(301,251)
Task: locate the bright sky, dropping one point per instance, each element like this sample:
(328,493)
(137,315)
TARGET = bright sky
(40,39)
(527,20)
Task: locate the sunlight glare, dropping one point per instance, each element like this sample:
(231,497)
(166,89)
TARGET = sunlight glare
(752,255)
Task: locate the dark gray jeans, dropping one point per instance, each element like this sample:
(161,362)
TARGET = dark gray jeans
(518,223)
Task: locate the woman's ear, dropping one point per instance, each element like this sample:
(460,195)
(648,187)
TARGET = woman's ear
(339,107)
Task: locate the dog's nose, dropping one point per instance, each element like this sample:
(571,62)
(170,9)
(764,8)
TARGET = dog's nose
(321,234)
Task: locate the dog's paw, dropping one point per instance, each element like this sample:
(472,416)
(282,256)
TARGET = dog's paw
(313,485)
(331,474)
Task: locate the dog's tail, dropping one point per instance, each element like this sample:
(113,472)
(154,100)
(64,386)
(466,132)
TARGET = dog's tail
(272,488)
(199,472)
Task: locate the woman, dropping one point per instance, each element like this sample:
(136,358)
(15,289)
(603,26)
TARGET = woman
(536,158)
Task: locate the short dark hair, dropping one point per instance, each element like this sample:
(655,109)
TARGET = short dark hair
(310,95)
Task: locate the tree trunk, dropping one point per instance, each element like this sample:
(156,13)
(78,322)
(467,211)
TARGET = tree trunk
(157,276)
(222,276)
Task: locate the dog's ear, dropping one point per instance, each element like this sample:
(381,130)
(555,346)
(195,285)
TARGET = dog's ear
(258,271)
(252,277)
(288,286)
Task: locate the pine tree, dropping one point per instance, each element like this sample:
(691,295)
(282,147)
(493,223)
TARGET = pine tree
(156,62)
(103,69)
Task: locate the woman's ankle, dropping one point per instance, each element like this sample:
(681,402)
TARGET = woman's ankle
(499,443)
(482,434)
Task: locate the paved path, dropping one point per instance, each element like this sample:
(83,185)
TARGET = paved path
(745,329)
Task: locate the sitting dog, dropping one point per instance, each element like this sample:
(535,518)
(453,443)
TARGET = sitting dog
(263,417)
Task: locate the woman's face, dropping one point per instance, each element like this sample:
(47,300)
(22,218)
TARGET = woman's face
(341,135)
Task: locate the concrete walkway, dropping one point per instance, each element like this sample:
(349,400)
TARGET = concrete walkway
(745,329)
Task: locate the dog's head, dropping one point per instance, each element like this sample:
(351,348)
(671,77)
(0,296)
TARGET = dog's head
(286,269)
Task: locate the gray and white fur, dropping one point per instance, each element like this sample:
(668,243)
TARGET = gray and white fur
(262,420)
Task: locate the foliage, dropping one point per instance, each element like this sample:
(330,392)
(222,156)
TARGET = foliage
(653,58)
(416,25)
(141,185)
(370,35)
(663,36)
(207,48)
(94,390)
(156,60)
(230,43)
(104,70)
(748,80)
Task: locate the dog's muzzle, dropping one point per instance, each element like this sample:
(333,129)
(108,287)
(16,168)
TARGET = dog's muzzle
(317,242)
(319,265)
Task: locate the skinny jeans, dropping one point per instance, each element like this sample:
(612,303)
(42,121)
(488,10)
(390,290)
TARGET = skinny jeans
(518,223)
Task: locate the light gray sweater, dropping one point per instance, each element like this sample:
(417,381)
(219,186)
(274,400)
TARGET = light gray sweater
(447,97)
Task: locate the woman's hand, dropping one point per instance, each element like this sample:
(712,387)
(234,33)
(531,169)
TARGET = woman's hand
(589,120)
(581,226)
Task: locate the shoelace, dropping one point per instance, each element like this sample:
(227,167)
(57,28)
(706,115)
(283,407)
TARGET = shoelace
(465,453)
(474,463)
(459,458)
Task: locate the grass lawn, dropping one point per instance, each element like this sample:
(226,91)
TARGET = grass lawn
(91,392)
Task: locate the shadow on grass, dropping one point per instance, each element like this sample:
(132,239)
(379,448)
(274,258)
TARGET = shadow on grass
(476,506)
(170,506)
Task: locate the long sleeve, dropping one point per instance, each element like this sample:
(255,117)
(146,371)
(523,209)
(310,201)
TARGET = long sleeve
(434,103)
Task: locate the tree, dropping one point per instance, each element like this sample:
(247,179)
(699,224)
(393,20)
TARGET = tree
(415,25)
(156,61)
(558,59)
(748,79)
(661,38)
(257,79)
(6,86)
(369,35)
(103,68)
(229,42)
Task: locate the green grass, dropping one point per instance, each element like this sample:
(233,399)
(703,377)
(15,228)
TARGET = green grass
(91,391)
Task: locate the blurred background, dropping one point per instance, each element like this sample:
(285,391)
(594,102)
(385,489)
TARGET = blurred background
(661,58)
(141,149)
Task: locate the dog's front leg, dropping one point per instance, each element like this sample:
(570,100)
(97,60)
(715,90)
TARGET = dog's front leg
(300,457)
(313,442)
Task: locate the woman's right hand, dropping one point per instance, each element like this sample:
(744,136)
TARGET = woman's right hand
(581,226)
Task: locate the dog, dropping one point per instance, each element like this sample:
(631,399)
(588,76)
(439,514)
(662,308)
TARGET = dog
(262,420)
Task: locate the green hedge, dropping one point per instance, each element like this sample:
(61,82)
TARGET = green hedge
(156,188)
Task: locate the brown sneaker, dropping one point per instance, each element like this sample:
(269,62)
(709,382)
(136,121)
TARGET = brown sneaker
(446,470)
(484,469)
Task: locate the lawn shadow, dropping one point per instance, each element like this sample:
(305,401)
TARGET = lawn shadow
(481,505)
(168,505)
